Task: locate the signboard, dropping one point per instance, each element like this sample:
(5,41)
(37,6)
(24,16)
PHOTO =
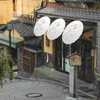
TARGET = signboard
(74,60)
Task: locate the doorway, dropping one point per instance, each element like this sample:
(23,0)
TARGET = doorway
(83,48)
(28,61)
(14,53)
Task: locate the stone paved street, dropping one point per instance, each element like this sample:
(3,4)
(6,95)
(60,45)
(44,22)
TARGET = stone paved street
(18,89)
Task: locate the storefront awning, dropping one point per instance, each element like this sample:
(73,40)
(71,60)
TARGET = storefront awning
(4,39)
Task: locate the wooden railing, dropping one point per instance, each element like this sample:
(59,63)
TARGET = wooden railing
(15,15)
(25,18)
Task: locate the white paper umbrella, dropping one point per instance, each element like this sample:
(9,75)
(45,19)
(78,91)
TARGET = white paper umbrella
(55,29)
(72,32)
(41,26)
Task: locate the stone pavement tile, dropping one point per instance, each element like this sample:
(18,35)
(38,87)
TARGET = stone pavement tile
(17,90)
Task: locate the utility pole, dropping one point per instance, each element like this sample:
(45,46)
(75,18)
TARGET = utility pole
(9,27)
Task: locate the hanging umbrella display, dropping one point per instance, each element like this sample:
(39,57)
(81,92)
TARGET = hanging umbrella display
(56,29)
(41,26)
(72,32)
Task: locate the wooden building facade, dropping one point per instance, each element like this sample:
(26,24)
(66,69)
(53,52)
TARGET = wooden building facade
(56,52)
(26,6)
(6,10)
(16,8)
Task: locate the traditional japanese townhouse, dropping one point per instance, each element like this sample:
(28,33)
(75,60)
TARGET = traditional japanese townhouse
(87,46)
(25,47)
(30,51)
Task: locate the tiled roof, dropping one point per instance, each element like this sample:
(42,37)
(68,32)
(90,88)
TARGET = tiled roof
(3,27)
(25,30)
(70,13)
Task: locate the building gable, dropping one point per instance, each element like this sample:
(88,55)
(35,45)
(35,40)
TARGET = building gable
(14,34)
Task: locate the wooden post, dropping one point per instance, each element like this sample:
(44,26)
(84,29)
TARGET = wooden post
(73,81)
(74,61)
